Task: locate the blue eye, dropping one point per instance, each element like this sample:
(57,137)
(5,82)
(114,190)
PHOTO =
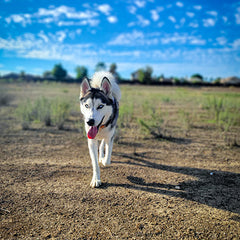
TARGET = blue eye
(86,106)
(100,106)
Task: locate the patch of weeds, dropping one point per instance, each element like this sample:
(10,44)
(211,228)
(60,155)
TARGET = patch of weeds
(166,99)
(42,111)
(45,111)
(125,115)
(154,124)
(5,99)
(215,106)
(185,119)
(225,115)
(24,113)
(65,90)
(60,111)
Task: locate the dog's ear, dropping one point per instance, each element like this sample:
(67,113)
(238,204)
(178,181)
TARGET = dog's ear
(106,86)
(85,87)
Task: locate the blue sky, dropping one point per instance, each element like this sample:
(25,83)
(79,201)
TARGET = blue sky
(175,38)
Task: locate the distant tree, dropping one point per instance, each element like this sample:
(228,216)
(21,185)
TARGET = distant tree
(144,75)
(22,74)
(113,68)
(47,74)
(217,80)
(197,75)
(101,66)
(82,72)
(59,72)
(140,75)
(148,75)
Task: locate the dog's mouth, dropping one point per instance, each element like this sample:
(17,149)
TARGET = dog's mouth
(93,131)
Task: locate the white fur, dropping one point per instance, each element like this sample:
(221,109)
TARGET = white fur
(97,81)
(106,134)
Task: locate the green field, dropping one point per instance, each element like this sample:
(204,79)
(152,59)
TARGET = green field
(175,171)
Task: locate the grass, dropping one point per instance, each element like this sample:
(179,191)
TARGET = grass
(144,111)
(42,110)
(5,99)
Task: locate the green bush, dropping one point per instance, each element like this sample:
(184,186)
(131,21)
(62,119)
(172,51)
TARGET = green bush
(154,124)
(125,115)
(42,111)
(24,113)
(49,112)
(223,112)
(60,111)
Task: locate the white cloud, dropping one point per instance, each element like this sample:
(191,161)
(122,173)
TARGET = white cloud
(133,39)
(138,38)
(43,36)
(197,7)
(182,39)
(190,14)
(221,41)
(212,13)
(22,19)
(105,8)
(140,3)
(237,16)
(193,24)
(62,16)
(112,19)
(209,22)
(225,19)
(154,15)
(236,44)
(61,35)
(132,9)
(142,22)
(172,19)
(179,4)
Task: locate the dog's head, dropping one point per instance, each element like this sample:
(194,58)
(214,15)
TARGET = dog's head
(95,105)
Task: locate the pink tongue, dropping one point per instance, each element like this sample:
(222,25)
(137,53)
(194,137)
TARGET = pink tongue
(92,132)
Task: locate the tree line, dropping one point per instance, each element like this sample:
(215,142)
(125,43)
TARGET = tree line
(141,75)
(59,73)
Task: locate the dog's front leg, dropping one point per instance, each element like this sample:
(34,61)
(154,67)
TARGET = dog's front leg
(101,151)
(93,150)
(108,152)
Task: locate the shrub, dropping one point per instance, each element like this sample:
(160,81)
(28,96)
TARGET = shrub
(60,111)
(45,111)
(5,99)
(24,112)
(153,125)
(125,114)
(42,111)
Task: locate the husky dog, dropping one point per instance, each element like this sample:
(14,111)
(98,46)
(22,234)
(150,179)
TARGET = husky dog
(99,101)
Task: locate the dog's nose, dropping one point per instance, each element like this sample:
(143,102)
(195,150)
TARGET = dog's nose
(91,122)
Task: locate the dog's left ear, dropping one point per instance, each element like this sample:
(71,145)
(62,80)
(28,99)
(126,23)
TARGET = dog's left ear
(106,87)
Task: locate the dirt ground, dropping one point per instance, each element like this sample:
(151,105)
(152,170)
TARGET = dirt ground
(188,188)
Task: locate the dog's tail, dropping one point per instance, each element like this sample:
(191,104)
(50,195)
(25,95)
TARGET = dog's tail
(97,81)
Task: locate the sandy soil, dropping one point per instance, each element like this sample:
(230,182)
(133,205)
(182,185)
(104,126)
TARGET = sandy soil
(188,188)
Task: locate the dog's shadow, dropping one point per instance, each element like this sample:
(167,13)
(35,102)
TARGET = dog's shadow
(217,189)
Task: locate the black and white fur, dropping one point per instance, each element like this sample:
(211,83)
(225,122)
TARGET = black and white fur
(99,101)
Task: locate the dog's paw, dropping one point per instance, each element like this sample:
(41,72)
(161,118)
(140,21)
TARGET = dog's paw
(95,183)
(104,161)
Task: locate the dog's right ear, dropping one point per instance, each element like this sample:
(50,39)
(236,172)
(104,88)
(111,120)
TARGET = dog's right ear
(85,87)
